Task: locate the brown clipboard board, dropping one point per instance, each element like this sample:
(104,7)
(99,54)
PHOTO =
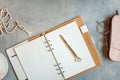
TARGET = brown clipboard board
(87,39)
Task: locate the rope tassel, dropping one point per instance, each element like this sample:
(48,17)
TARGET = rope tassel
(8,25)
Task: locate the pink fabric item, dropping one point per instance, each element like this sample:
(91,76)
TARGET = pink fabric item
(1,76)
(114,52)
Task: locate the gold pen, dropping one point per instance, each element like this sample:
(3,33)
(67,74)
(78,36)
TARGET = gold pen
(70,49)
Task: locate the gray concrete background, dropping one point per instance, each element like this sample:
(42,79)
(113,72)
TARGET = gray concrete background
(40,15)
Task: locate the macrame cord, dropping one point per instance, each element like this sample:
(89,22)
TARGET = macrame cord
(6,22)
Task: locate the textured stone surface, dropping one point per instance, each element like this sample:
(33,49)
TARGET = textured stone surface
(40,15)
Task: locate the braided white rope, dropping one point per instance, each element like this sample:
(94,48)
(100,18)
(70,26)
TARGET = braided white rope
(6,22)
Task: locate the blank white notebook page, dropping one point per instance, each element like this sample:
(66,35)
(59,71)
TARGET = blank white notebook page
(37,62)
(74,38)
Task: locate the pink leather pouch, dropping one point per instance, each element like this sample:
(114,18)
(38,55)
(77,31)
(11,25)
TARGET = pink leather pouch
(114,51)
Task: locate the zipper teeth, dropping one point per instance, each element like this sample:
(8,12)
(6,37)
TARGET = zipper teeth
(109,36)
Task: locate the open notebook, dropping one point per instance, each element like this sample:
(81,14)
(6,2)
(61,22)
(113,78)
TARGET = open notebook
(56,54)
